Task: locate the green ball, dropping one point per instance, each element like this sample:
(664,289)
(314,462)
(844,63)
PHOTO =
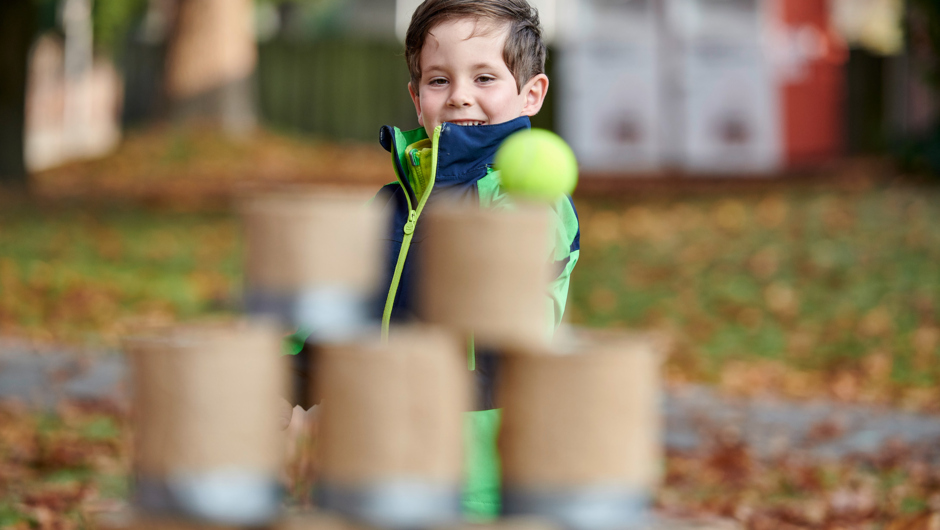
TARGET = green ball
(536,164)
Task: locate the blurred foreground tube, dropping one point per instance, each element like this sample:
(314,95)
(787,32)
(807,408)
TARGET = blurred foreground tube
(486,272)
(391,429)
(320,521)
(581,431)
(312,259)
(207,445)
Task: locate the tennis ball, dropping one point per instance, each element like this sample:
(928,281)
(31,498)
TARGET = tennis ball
(536,164)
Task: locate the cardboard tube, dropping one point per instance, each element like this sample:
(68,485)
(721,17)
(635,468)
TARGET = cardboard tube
(581,428)
(507,523)
(157,523)
(317,521)
(307,239)
(486,272)
(394,410)
(207,434)
(313,259)
(294,521)
(390,434)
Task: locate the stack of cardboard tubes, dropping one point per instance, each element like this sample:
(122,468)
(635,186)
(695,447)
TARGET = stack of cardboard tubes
(580,437)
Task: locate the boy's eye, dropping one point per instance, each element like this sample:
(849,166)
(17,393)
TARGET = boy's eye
(437,81)
(486,79)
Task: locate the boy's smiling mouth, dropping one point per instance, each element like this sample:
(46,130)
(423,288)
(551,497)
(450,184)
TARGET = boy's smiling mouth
(467,123)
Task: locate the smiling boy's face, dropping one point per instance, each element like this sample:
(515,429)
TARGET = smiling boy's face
(464,79)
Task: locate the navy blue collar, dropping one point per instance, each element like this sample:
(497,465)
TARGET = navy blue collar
(464,152)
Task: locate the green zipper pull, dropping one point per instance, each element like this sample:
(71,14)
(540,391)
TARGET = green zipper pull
(415,161)
(412,220)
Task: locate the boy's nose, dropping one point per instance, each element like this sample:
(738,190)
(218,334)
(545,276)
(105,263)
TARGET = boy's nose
(459,98)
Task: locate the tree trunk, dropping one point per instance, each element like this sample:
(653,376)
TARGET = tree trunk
(78,64)
(211,58)
(17,29)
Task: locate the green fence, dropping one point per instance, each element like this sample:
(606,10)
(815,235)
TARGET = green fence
(334,89)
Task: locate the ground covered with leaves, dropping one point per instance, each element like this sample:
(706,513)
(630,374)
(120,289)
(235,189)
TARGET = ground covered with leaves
(66,468)
(802,290)
(62,469)
(899,488)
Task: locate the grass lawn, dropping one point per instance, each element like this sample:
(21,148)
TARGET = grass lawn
(84,274)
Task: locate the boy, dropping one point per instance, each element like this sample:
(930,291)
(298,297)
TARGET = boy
(477,74)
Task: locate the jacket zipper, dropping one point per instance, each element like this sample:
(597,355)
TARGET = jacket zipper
(409,229)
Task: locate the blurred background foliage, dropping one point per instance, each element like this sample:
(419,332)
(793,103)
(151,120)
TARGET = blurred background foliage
(112,21)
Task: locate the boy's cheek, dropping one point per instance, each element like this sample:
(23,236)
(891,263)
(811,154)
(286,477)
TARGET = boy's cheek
(416,99)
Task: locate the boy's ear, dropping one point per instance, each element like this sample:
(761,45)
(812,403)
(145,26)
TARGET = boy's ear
(534,91)
(416,99)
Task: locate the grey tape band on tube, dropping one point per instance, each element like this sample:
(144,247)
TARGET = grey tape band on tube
(588,508)
(397,504)
(229,497)
(329,313)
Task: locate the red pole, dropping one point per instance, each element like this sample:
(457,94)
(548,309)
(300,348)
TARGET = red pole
(813,98)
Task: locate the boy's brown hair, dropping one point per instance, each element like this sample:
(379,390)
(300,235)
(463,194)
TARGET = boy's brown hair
(524,51)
